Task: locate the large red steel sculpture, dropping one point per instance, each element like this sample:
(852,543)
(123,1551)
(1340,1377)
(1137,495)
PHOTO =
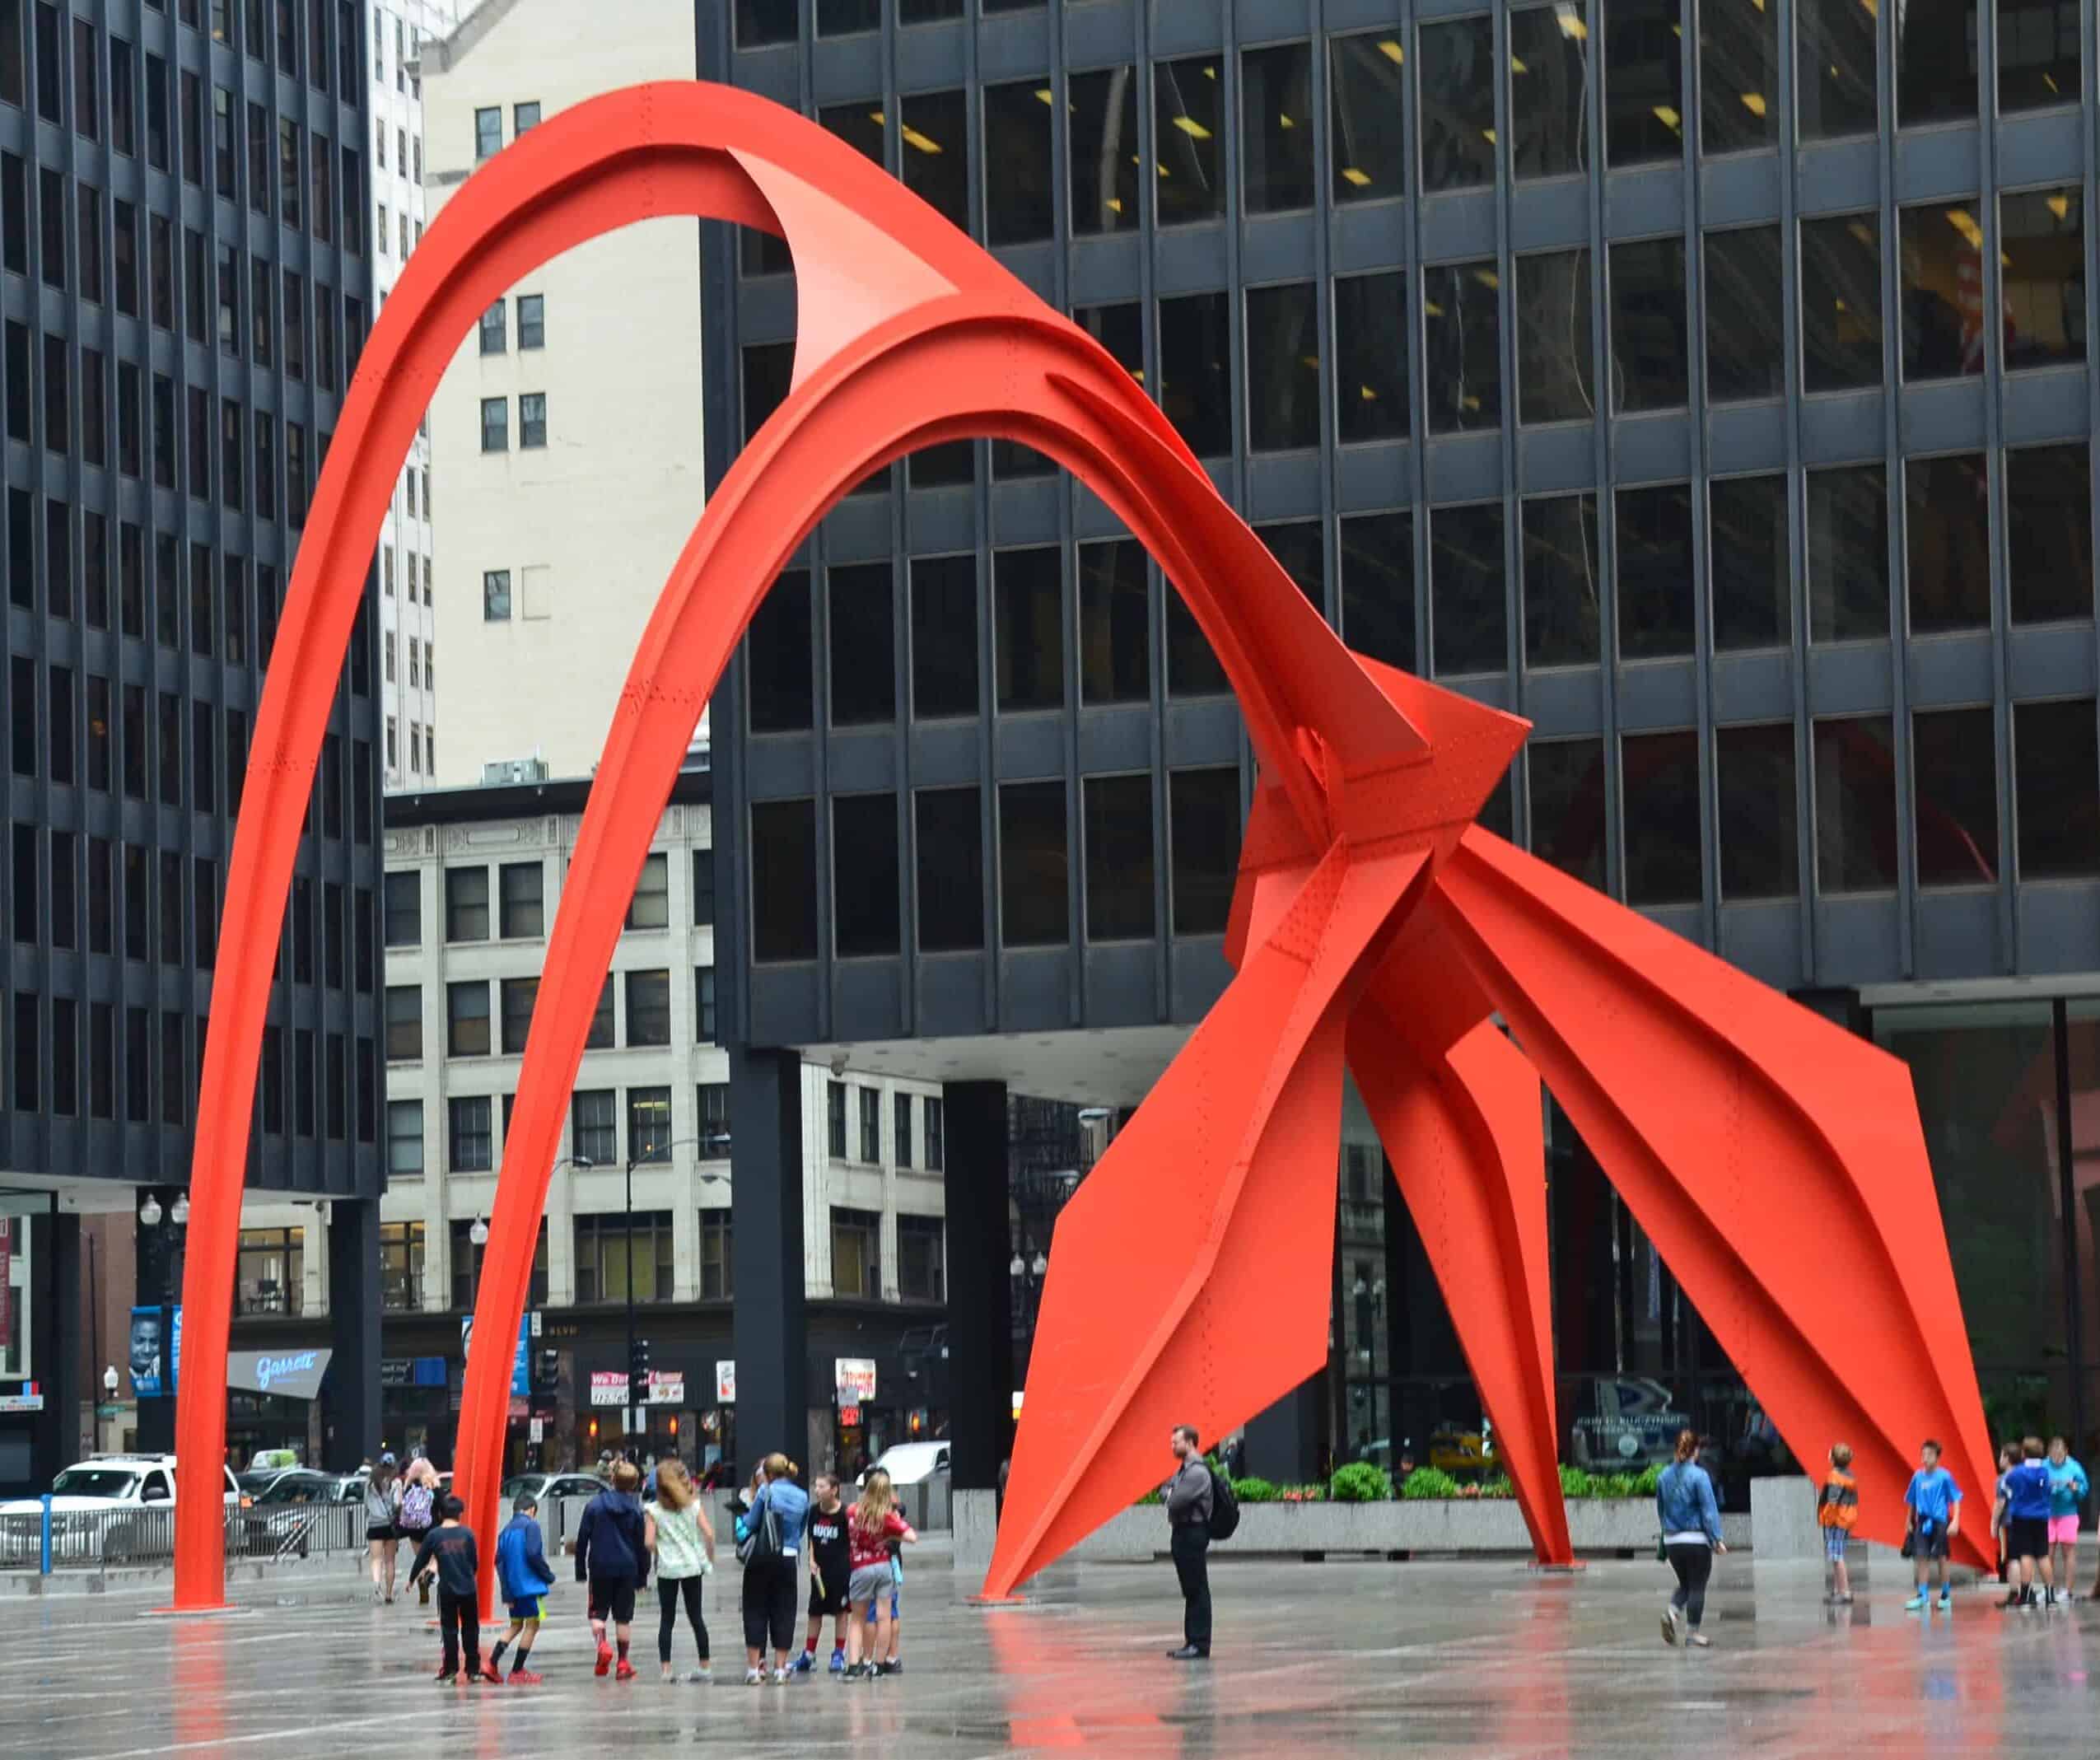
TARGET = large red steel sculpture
(1776,1161)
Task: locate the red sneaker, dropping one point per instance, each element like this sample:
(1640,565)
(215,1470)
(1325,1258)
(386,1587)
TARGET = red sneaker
(490,1674)
(523,1677)
(605,1658)
(625,1671)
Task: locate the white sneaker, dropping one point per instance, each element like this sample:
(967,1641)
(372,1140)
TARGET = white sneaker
(1670,1617)
(780,1676)
(753,1677)
(700,1677)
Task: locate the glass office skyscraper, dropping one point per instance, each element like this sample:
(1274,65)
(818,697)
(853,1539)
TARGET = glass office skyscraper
(185,283)
(1710,386)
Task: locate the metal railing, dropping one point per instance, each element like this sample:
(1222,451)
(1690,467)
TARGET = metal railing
(125,1535)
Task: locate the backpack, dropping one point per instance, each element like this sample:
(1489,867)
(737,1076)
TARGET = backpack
(416,1506)
(1225,1508)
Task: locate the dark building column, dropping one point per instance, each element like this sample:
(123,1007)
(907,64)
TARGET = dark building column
(980,1291)
(769,1330)
(1283,1443)
(350,1416)
(55,1442)
(159,1254)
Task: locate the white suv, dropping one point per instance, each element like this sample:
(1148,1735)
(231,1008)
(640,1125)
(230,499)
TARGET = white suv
(114,1507)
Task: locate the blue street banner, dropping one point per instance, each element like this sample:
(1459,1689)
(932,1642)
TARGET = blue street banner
(521,1364)
(156,1351)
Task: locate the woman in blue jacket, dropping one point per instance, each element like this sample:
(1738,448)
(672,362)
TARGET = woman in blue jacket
(611,1554)
(1691,1534)
(773,1565)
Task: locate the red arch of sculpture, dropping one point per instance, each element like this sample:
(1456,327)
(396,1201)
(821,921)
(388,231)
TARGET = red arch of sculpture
(1373,924)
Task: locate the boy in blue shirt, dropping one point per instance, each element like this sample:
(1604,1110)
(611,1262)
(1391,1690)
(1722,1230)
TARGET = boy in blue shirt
(1934,1506)
(521,1569)
(2068,1487)
(2027,1522)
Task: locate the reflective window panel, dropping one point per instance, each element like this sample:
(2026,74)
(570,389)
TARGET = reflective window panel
(1954,797)
(1378,586)
(1203,808)
(1738,74)
(779,647)
(1469,616)
(1753,769)
(1458,71)
(1283,368)
(1560,581)
(1655,573)
(1848,554)
(2056,789)
(783,880)
(936,158)
(1367,130)
(950,862)
(1841,303)
(1196,371)
(1834,93)
(1296,547)
(1119,902)
(2037,53)
(2049,532)
(1187,114)
(944,636)
(1747,542)
(1102,137)
(1649,317)
(1855,804)
(1554,375)
(1947,550)
(2041,244)
(1370,347)
(1644,83)
(1034,883)
(1114,623)
(1276,127)
(863,681)
(1567,805)
(1018,204)
(1746,337)
(1549,87)
(1461,360)
(1659,782)
(1031,658)
(1935,62)
(866,917)
(1942,289)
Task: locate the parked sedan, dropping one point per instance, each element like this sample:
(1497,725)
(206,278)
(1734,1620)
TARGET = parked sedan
(545,1487)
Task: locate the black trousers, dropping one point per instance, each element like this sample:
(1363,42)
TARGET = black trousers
(459,1624)
(669,1590)
(1190,1543)
(1693,1565)
(770,1593)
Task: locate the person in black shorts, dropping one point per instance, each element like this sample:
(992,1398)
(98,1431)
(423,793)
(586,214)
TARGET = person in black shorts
(830,1566)
(612,1556)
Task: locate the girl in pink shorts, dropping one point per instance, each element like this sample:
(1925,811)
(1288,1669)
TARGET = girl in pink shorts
(2068,1487)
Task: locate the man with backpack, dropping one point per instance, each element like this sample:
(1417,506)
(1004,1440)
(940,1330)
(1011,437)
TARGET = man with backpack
(1198,1505)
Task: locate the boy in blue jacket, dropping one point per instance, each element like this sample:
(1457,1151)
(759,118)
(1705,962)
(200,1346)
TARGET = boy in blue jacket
(612,1556)
(522,1573)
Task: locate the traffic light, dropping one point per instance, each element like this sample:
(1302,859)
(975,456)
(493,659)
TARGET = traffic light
(547,1369)
(638,1370)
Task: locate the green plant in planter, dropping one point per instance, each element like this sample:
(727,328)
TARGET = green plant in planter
(1645,1484)
(1360,1482)
(1253,1490)
(1426,1484)
(1497,1486)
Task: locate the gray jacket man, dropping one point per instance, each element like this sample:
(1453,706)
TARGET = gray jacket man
(1188,1494)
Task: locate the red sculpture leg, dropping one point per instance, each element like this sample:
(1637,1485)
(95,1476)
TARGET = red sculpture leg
(1223,1184)
(1461,1129)
(1775,1160)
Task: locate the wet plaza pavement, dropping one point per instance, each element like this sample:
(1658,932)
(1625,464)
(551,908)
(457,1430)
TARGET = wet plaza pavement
(1477,1658)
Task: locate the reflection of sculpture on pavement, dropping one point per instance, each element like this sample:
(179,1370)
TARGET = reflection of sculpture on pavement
(1759,1147)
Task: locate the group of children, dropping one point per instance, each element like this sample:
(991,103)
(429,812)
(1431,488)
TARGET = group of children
(855,1574)
(2033,1522)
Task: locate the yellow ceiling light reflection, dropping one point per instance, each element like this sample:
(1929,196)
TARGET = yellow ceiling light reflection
(925,143)
(1872,8)
(1114,204)
(1470,402)
(1862,231)
(1964,222)
(1840,305)
(1367,394)
(1192,127)
(1356,174)
(1209,72)
(1046,94)
(1488,136)
(1754,102)
(877,118)
(1430,309)
(1312,361)
(1668,117)
(1487,277)
(2060,205)
(1284,121)
(1517,65)
(1392,52)
(1571,21)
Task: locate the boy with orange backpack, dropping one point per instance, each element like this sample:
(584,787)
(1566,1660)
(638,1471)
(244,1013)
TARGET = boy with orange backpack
(1836,1510)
